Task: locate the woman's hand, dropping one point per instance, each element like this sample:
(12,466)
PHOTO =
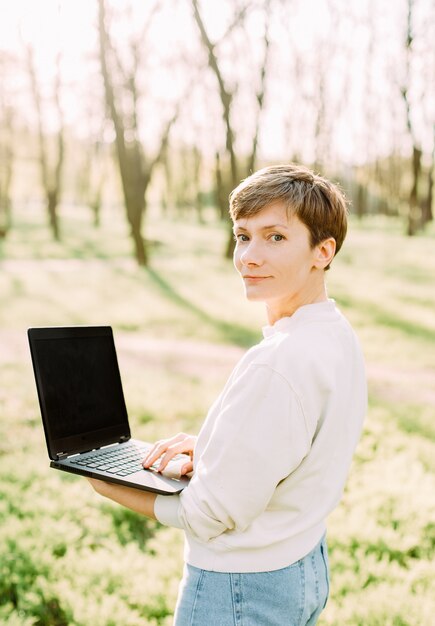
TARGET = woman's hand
(180,444)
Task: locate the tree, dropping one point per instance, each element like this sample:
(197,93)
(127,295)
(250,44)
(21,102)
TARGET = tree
(135,165)
(91,176)
(427,212)
(50,169)
(227,96)
(414,211)
(6,162)
(93,157)
(261,92)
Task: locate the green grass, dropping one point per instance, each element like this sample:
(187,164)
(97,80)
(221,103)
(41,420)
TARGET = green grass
(69,557)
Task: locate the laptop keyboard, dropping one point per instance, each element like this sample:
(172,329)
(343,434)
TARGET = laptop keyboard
(121,460)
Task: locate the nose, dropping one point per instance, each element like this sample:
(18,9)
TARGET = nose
(251,255)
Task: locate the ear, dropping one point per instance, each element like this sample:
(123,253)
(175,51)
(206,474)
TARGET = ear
(324,253)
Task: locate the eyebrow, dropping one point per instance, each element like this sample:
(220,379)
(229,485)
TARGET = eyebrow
(271,227)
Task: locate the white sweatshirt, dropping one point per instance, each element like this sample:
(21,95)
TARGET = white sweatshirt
(274,452)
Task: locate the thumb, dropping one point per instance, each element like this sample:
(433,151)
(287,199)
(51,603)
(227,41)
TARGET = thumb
(187,467)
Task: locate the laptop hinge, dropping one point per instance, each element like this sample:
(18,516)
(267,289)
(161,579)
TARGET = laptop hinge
(124,438)
(62,455)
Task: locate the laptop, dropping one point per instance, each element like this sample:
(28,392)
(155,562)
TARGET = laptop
(83,410)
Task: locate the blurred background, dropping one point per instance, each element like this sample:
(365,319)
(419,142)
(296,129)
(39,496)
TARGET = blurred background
(123,127)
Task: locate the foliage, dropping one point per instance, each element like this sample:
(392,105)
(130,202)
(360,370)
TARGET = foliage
(67,557)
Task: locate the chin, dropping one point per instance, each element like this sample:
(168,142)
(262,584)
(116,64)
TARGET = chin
(254,297)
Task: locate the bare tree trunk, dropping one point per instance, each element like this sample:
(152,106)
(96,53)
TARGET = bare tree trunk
(168,190)
(226,100)
(197,183)
(361,200)
(393,183)
(5,186)
(135,170)
(52,203)
(136,208)
(319,125)
(136,183)
(5,213)
(133,194)
(226,97)
(50,177)
(98,167)
(370,114)
(414,217)
(225,94)
(414,213)
(221,200)
(57,179)
(427,212)
(96,207)
(6,168)
(252,161)
(7,154)
(82,182)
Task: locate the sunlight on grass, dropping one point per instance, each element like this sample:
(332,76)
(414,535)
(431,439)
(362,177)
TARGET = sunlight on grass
(180,326)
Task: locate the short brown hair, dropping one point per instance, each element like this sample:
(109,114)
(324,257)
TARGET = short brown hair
(318,203)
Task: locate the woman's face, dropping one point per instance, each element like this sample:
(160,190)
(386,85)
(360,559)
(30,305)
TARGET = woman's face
(275,260)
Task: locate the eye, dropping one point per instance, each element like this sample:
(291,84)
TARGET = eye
(277,237)
(241,237)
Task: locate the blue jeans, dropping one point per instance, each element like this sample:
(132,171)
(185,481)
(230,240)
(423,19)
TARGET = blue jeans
(292,596)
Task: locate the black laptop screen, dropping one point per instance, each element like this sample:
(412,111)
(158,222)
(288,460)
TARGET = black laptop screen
(80,383)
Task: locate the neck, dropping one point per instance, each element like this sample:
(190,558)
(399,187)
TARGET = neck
(277,310)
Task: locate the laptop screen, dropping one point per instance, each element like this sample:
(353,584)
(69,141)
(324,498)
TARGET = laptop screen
(79,384)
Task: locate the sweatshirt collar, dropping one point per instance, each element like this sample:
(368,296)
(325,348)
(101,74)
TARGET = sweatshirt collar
(307,312)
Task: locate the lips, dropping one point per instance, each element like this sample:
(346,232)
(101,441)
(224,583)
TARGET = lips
(255,278)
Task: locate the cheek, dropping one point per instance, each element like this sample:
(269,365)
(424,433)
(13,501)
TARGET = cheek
(236,260)
(295,268)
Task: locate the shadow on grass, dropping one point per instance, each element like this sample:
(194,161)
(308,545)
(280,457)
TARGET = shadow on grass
(412,419)
(230,332)
(131,527)
(385,318)
(21,590)
(415,420)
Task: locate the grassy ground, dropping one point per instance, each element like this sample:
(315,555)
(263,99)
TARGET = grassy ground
(67,556)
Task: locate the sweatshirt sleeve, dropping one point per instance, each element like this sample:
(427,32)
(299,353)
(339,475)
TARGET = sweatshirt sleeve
(259,437)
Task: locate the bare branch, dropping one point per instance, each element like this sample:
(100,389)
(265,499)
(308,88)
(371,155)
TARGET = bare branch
(105,44)
(238,19)
(414,215)
(225,95)
(60,134)
(37,102)
(147,25)
(262,89)
(51,177)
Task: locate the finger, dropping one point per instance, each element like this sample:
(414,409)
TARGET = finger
(187,467)
(170,453)
(152,449)
(160,447)
(154,456)
(186,446)
(157,451)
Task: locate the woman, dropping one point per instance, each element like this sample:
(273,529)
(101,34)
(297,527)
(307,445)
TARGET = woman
(272,456)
